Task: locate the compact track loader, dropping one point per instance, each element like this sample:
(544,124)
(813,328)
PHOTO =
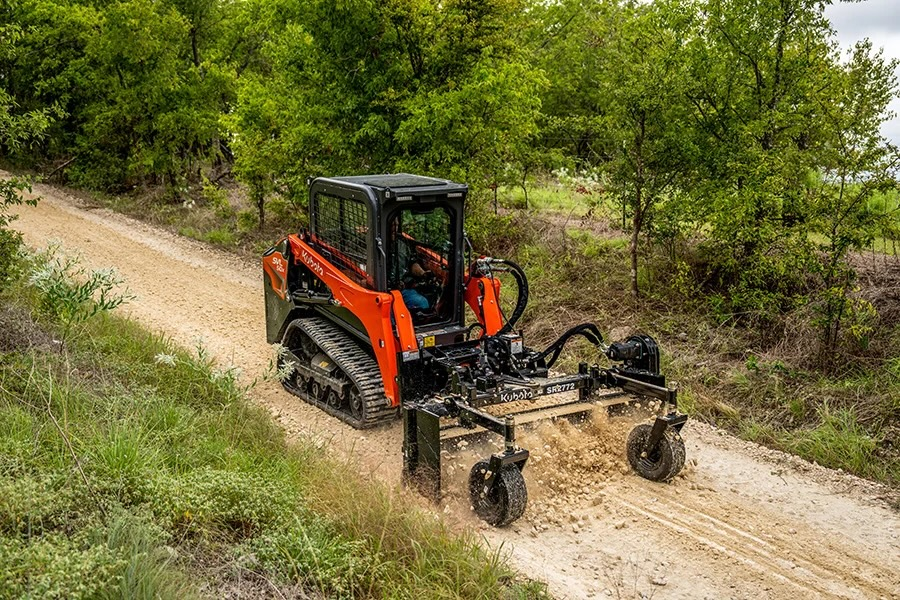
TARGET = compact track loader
(368,305)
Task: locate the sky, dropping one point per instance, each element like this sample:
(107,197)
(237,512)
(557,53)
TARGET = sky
(878,20)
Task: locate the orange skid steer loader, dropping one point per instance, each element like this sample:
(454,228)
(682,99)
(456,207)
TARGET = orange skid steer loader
(369,306)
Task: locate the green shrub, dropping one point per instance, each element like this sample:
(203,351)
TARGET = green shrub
(10,260)
(191,232)
(494,234)
(221,236)
(287,212)
(31,505)
(217,198)
(12,193)
(209,497)
(69,292)
(55,566)
(247,220)
(310,552)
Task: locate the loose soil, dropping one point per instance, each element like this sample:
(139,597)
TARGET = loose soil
(741,521)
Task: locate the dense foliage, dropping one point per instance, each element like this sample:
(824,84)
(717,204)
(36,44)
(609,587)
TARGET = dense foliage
(737,129)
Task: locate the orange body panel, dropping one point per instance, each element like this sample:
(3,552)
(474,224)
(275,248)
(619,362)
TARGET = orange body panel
(406,333)
(372,308)
(483,296)
(276,268)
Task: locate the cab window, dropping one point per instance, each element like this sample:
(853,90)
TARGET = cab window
(420,261)
(340,234)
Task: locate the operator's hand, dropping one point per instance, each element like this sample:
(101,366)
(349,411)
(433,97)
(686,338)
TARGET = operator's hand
(417,270)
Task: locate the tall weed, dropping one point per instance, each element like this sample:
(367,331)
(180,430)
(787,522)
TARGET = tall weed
(71,293)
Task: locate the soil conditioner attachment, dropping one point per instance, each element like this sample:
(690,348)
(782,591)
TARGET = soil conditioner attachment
(368,306)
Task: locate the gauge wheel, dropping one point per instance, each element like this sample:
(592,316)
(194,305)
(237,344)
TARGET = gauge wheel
(664,462)
(506,500)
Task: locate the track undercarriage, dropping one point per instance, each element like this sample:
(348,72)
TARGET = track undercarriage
(331,371)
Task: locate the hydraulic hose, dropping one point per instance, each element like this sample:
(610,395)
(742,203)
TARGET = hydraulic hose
(588,331)
(521,300)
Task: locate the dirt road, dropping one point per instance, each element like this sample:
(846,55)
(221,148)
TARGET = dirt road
(741,521)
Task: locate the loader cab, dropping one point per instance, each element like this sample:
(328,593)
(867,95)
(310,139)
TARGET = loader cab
(396,232)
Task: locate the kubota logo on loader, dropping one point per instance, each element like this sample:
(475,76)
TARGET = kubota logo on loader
(312,263)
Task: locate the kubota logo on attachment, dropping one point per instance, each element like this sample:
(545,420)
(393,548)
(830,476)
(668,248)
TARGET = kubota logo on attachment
(312,263)
(517,395)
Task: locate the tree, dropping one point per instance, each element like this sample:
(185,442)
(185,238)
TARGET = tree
(43,70)
(465,130)
(140,102)
(625,83)
(760,80)
(14,131)
(565,44)
(856,164)
(17,128)
(646,110)
(405,85)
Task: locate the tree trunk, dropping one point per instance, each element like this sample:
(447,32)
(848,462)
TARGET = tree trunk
(525,186)
(635,232)
(638,219)
(260,207)
(195,51)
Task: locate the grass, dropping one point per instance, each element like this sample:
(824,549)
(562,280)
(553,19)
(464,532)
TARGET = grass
(130,468)
(556,198)
(838,440)
(839,421)
(879,244)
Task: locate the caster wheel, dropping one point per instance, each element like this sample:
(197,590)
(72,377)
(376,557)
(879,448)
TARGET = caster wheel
(505,502)
(664,463)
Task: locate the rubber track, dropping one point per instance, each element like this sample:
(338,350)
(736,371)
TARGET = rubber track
(360,368)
